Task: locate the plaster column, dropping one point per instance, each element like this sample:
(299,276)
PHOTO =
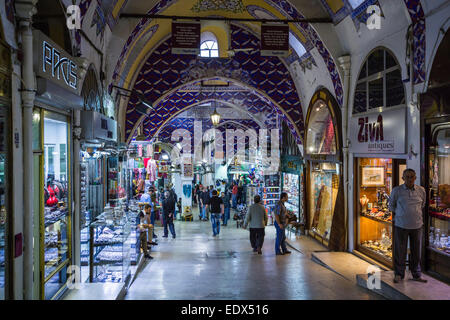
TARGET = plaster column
(25,10)
(344,62)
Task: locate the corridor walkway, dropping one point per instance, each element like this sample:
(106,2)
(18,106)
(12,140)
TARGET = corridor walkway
(198,266)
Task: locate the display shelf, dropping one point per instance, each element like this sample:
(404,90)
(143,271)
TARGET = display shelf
(439,215)
(378,253)
(440,251)
(60,218)
(120,199)
(376,219)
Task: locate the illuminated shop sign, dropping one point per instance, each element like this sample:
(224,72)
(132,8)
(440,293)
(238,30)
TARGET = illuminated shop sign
(383,132)
(54,63)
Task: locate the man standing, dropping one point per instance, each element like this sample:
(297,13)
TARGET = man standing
(234,195)
(406,203)
(146,197)
(204,199)
(257,217)
(217,209)
(227,205)
(168,212)
(280,225)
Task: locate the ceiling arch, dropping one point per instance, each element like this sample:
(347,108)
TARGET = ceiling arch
(163,73)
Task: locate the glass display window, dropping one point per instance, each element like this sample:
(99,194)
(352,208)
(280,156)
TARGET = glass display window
(375,183)
(324,186)
(439,192)
(321,136)
(292,186)
(55,220)
(4,148)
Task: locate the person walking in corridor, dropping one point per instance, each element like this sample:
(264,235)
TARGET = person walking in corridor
(168,214)
(226,205)
(216,209)
(234,196)
(406,203)
(257,218)
(280,226)
(204,200)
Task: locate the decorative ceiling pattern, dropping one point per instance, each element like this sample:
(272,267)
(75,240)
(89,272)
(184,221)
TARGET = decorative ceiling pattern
(418,19)
(163,72)
(179,101)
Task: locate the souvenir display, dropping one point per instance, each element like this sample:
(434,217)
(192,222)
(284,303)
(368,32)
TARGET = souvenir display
(375,219)
(292,186)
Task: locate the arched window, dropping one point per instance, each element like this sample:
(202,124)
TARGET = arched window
(379,83)
(209,47)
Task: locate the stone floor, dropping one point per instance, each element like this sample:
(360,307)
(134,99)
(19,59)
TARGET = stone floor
(198,266)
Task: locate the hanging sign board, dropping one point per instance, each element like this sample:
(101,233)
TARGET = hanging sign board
(274,40)
(186,38)
(380,132)
(53,63)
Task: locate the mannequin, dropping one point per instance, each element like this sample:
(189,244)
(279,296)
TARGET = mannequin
(151,169)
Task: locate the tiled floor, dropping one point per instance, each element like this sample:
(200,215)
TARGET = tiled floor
(196,265)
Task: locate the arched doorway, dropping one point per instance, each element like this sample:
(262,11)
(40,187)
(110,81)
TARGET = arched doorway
(325,218)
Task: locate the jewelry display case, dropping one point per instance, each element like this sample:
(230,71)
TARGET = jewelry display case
(437,220)
(376,178)
(110,244)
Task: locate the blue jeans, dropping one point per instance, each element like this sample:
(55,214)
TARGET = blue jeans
(226,215)
(152,221)
(234,200)
(215,221)
(203,212)
(281,239)
(168,222)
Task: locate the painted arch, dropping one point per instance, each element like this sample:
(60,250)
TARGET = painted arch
(164,73)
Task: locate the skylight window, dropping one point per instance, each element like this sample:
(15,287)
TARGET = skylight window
(355,3)
(209,49)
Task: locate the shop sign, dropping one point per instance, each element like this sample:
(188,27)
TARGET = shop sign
(54,64)
(186,38)
(274,40)
(383,132)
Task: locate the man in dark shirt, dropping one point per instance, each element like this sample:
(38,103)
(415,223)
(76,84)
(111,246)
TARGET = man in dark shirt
(280,226)
(217,209)
(226,197)
(168,213)
(204,199)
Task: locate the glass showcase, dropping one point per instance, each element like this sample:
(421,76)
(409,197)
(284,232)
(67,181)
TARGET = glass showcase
(293,187)
(324,178)
(56,218)
(4,116)
(439,192)
(375,183)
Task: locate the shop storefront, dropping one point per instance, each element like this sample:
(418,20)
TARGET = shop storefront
(292,183)
(56,96)
(378,143)
(435,121)
(5,151)
(324,216)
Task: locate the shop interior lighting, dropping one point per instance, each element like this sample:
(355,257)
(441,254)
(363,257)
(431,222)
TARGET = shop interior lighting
(165,157)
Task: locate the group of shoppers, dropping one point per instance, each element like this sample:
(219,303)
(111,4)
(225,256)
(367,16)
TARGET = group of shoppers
(168,201)
(406,203)
(204,196)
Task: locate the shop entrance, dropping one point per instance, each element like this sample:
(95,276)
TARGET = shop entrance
(374,180)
